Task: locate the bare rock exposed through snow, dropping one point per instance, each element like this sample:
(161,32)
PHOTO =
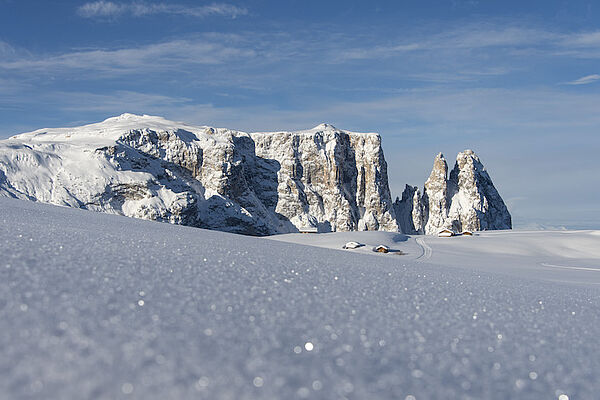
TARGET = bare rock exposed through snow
(466,200)
(253,183)
(409,211)
(475,204)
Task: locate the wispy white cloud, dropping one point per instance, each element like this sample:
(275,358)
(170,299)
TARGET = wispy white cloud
(516,40)
(468,53)
(118,102)
(207,50)
(585,80)
(453,43)
(579,45)
(363,53)
(107,10)
(9,52)
(483,35)
(587,39)
(5,48)
(465,55)
(101,9)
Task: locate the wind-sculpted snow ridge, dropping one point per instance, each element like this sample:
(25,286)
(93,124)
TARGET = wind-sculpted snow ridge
(258,183)
(467,200)
(97,306)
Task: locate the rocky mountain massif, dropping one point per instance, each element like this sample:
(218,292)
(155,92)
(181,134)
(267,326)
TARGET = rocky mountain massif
(252,183)
(466,200)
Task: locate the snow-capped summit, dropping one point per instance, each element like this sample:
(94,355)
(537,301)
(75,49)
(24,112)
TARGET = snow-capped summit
(256,183)
(324,126)
(111,129)
(319,129)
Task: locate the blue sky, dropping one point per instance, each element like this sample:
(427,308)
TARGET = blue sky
(518,83)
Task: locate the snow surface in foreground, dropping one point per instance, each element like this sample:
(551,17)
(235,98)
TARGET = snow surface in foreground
(100,306)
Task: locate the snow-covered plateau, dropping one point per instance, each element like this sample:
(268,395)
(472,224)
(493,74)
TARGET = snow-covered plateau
(99,306)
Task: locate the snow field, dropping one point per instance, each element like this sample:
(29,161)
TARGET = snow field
(104,307)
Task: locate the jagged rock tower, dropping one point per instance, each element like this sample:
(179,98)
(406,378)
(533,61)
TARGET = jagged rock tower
(467,200)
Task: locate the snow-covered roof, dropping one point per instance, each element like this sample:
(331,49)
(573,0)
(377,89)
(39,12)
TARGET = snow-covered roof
(309,229)
(353,245)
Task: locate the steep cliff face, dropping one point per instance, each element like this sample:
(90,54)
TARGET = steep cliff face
(258,183)
(466,200)
(435,195)
(409,211)
(475,202)
(329,178)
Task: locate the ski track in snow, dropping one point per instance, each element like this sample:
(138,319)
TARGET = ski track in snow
(427,251)
(96,306)
(570,267)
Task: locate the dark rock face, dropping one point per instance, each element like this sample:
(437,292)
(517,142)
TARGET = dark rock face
(409,211)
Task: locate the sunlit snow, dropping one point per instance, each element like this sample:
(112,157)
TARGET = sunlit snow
(106,307)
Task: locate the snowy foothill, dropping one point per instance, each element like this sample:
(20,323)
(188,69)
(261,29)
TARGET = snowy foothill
(99,306)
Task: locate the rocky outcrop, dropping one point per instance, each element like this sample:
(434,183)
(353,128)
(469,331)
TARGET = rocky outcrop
(329,178)
(475,202)
(466,200)
(252,183)
(257,183)
(435,196)
(409,211)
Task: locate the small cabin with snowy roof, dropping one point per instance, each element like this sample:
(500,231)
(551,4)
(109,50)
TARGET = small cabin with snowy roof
(352,245)
(308,229)
(381,249)
(446,233)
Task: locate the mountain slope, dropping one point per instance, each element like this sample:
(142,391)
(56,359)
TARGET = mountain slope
(259,183)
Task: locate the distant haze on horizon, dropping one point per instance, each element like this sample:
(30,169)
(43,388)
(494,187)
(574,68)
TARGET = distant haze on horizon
(517,83)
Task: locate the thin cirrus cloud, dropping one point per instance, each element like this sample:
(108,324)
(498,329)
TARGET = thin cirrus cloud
(153,57)
(108,9)
(452,55)
(586,39)
(585,80)
(472,37)
(8,51)
(585,45)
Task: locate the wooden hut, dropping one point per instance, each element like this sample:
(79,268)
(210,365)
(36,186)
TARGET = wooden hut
(381,249)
